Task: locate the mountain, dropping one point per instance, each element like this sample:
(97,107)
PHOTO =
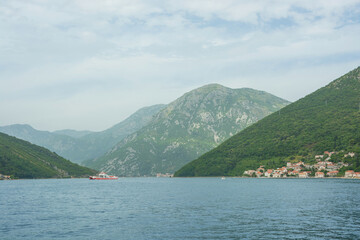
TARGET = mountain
(188,127)
(62,144)
(101,142)
(326,120)
(72,133)
(21,159)
(71,145)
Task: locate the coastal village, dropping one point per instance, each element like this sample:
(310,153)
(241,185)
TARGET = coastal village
(323,167)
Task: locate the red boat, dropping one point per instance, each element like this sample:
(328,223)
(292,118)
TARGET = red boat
(103,176)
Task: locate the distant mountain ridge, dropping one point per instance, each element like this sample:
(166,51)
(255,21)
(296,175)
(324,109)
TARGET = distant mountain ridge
(186,128)
(326,120)
(73,133)
(21,159)
(78,146)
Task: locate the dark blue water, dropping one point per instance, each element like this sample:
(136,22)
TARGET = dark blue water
(171,208)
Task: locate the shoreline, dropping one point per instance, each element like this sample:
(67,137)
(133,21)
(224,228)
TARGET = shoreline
(187,177)
(272,177)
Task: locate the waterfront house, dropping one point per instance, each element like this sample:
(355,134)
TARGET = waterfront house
(293,173)
(332,173)
(276,175)
(349,174)
(303,175)
(268,173)
(319,175)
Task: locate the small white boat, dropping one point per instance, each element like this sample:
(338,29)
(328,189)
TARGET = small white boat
(223,178)
(103,176)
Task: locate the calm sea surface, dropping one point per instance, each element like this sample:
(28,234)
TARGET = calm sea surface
(173,208)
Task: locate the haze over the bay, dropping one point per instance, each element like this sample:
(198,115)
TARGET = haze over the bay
(89,64)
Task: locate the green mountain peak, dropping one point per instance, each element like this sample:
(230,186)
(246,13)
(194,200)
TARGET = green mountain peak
(326,120)
(186,128)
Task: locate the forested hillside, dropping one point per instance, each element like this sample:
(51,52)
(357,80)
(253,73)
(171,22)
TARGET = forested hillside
(326,120)
(21,159)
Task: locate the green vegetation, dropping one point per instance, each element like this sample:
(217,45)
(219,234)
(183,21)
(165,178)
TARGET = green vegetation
(355,164)
(188,127)
(21,159)
(326,120)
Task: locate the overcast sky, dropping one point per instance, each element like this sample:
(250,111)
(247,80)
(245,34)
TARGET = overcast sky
(89,64)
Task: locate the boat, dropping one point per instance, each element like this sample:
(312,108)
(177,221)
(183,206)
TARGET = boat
(103,176)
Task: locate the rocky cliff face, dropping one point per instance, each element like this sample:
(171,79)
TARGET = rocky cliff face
(188,127)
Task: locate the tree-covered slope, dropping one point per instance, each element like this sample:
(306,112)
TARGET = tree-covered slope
(82,145)
(326,120)
(188,127)
(21,159)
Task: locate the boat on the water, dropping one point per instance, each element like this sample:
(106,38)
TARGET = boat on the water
(103,176)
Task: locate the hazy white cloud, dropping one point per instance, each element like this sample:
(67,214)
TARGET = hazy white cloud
(89,64)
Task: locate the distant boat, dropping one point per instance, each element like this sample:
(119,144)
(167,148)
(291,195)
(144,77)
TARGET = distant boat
(103,176)
(223,178)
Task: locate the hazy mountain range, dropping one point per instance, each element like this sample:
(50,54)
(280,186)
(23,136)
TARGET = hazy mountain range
(186,128)
(78,146)
(159,138)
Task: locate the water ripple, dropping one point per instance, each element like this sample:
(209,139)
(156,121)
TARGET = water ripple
(198,208)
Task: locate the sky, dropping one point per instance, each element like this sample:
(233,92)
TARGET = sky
(89,64)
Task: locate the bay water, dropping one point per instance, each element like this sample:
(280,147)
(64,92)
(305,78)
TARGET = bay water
(180,208)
